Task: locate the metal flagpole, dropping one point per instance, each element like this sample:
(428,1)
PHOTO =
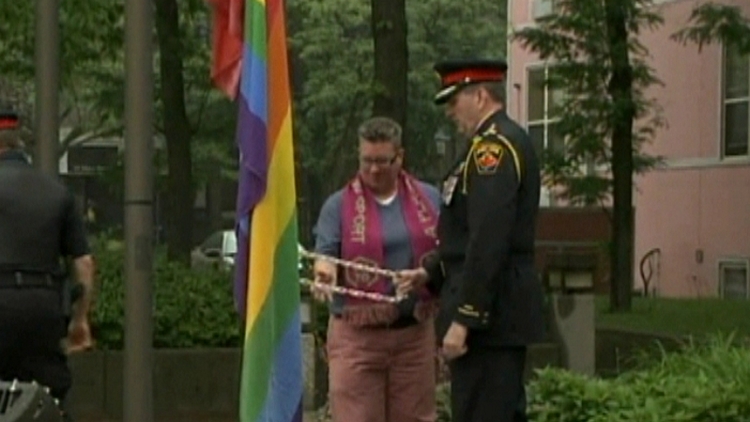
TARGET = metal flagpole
(47,85)
(138,382)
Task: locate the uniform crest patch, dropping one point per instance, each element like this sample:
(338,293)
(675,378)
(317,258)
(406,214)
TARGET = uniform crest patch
(487,157)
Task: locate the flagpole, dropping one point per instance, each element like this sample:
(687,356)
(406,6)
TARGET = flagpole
(138,356)
(47,75)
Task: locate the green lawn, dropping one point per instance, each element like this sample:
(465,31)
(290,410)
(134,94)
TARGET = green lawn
(697,317)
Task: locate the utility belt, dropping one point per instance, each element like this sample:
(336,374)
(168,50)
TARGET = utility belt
(69,292)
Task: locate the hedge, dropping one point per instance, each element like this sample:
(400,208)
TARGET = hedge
(192,308)
(708,382)
(702,382)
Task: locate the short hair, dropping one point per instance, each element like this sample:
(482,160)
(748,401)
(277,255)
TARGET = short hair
(496,90)
(10,139)
(380,129)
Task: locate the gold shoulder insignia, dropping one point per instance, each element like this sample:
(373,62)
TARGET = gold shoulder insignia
(487,157)
(492,130)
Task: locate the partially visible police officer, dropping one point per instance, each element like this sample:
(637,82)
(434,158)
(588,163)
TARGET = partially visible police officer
(39,228)
(491,298)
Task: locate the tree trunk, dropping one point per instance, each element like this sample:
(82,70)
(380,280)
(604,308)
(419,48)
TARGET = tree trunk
(214,201)
(391,59)
(180,193)
(620,88)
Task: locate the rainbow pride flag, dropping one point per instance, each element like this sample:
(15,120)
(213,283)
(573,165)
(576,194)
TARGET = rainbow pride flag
(267,290)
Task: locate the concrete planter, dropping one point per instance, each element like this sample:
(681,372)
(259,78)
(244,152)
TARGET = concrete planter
(189,384)
(194,383)
(198,385)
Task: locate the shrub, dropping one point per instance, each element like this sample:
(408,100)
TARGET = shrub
(443,400)
(192,308)
(705,382)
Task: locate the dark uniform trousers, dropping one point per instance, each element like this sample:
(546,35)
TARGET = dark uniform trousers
(485,273)
(487,385)
(487,382)
(32,326)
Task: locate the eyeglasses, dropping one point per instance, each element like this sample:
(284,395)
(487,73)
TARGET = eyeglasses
(377,161)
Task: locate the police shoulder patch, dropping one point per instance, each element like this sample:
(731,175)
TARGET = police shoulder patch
(487,157)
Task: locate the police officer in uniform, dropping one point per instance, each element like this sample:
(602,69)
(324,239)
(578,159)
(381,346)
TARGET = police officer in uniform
(491,298)
(39,228)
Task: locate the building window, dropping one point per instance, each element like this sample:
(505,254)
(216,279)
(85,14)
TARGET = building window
(542,8)
(734,279)
(736,136)
(542,115)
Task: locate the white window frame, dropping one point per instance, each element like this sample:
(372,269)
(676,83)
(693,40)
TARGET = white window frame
(545,197)
(742,263)
(724,103)
(542,8)
(546,121)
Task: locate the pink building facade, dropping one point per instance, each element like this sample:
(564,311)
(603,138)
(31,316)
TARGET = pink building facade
(696,209)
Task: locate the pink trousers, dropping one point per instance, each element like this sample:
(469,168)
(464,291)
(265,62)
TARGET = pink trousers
(381,375)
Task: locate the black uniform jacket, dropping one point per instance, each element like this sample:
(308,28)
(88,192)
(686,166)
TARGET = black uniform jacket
(484,270)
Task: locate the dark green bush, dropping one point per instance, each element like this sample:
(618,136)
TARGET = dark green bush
(193,308)
(708,382)
(443,399)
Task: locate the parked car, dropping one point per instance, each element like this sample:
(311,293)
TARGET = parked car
(219,249)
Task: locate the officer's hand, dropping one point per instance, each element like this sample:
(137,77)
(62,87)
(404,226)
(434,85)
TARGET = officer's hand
(79,337)
(408,280)
(454,342)
(325,273)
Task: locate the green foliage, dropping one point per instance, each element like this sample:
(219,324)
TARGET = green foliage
(711,22)
(193,308)
(331,68)
(93,78)
(332,43)
(211,115)
(439,30)
(91,52)
(705,382)
(443,401)
(577,44)
(17,52)
(332,49)
(92,63)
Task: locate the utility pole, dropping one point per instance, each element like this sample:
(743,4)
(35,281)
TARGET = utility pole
(47,84)
(138,368)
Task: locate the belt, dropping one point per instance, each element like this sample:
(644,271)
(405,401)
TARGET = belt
(20,279)
(402,322)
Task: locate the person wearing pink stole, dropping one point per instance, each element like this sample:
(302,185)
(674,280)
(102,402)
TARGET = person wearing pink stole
(381,355)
